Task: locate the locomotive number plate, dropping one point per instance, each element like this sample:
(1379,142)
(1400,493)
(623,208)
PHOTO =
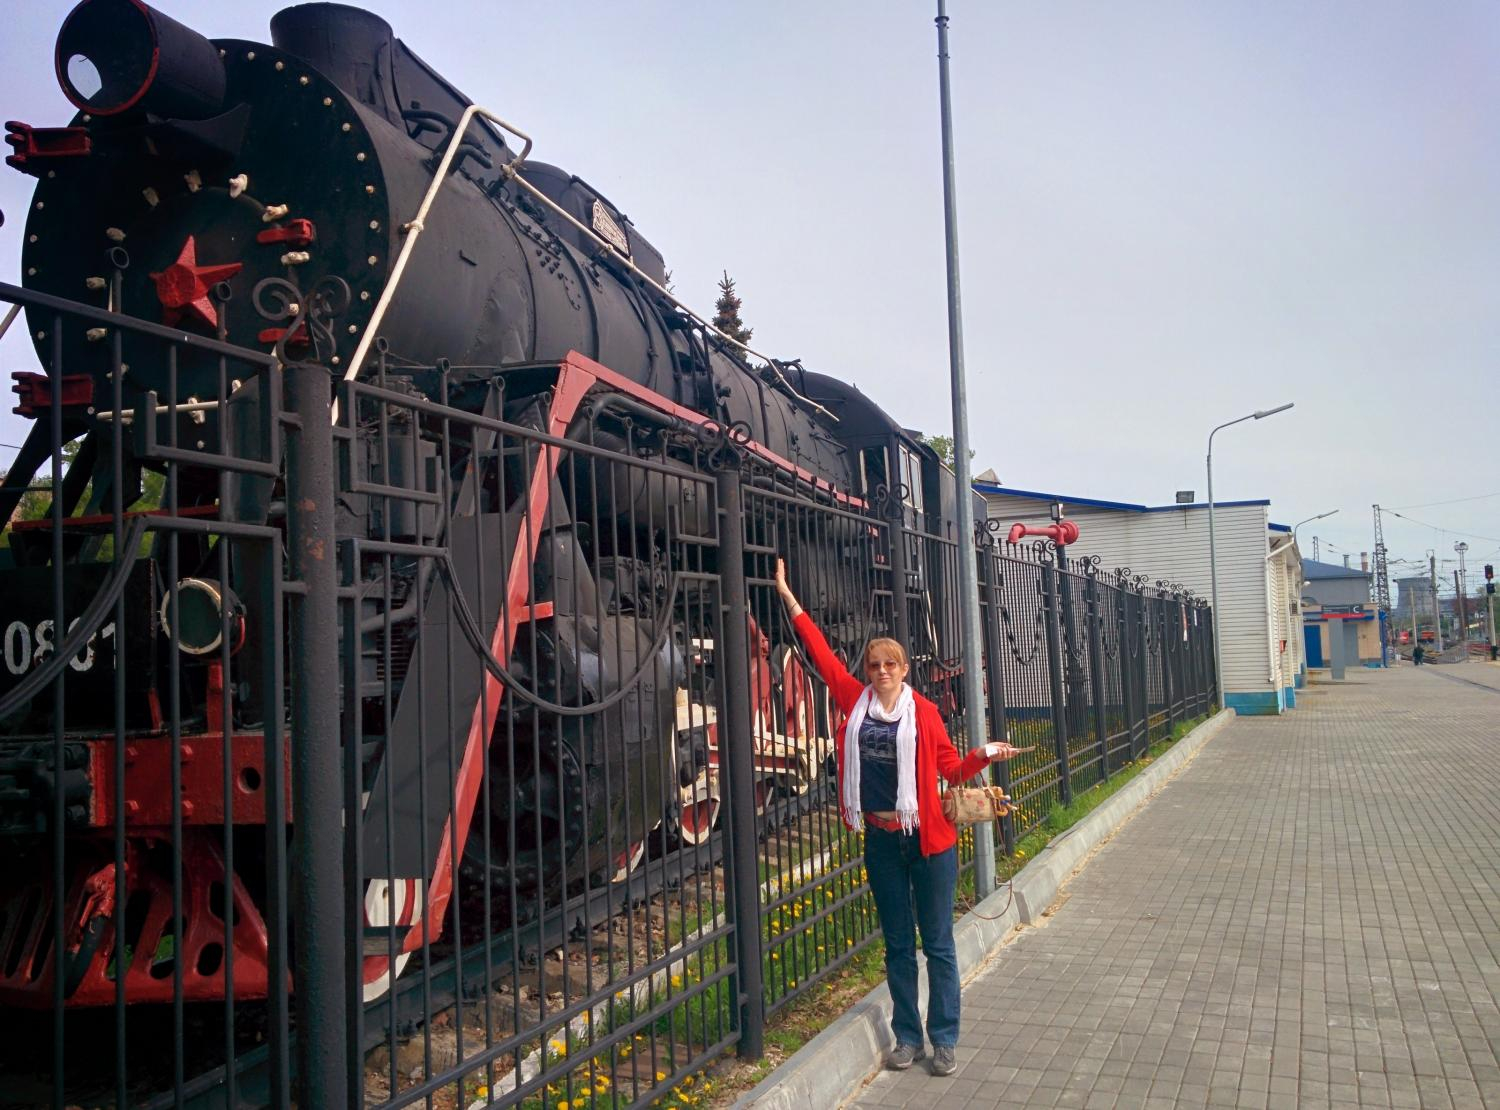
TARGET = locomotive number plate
(29,639)
(606,228)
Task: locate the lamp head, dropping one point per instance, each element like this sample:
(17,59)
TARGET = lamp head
(1261,414)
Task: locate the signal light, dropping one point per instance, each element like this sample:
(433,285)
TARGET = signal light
(1489,571)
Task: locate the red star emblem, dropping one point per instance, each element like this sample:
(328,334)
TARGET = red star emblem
(183,287)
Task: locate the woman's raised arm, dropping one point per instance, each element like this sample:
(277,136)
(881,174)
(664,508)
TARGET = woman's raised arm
(845,688)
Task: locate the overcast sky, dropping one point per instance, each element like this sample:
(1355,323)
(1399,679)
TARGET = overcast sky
(1170,214)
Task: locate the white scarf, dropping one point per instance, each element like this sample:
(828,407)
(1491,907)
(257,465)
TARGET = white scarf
(905,716)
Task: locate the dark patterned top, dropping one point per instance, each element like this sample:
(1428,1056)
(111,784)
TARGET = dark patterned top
(877,765)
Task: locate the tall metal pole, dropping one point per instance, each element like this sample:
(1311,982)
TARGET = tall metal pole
(1213,576)
(1437,610)
(1458,609)
(1213,559)
(1463,592)
(968,565)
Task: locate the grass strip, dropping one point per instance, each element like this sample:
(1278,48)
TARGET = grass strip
(721,1083)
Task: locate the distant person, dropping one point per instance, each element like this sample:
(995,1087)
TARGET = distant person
(1417,653)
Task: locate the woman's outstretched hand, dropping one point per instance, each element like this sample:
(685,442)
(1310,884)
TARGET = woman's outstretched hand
(999,750)
(784,590)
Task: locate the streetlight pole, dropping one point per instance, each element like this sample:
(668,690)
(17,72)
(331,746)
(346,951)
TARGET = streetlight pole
(1463,592)
(1213,558)
(968,563)
(1437,609)
(1300,523)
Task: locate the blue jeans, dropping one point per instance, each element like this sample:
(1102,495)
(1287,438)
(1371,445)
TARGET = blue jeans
(916,891)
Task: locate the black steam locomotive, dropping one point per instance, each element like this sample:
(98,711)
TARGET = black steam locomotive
(205,179)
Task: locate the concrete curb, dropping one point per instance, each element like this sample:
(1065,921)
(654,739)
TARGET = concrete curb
(836,1063)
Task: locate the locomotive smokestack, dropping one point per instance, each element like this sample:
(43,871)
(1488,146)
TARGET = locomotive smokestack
(115,56)
(353,48)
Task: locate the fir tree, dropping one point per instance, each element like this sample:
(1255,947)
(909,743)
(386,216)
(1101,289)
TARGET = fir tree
(727,312)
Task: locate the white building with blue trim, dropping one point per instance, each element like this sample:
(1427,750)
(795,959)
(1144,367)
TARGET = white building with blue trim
(1260,575)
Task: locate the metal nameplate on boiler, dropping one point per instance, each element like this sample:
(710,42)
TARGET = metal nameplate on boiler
(611,232)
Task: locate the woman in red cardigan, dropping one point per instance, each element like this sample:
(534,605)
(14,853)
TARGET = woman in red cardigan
(890,752)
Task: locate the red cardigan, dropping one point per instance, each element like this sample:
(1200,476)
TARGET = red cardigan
(936,754)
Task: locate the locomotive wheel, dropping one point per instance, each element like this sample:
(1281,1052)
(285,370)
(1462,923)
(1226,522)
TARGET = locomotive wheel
(544,803)
(387,903)
(765,795)
(698,819)
(627,862)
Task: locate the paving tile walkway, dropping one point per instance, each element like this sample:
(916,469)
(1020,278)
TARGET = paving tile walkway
(1308,916)
(1481,671)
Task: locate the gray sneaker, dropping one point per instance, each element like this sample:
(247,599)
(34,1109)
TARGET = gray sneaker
(903,1056)
(943,1062)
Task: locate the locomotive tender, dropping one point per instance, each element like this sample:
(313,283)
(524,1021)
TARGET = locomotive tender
(219,179)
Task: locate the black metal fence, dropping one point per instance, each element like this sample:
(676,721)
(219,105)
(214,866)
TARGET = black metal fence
(551,814)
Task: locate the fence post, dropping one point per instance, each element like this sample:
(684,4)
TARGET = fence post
(900,611)
(1216,680)
(1171,642)
(1195,658)
(732,640)
(989,591)
(1073,699)
(1179,643)
(1210,666)
(1122,632)
(1096,671)
(317,765)
(1141,737)
(1055,679)
(1166,658)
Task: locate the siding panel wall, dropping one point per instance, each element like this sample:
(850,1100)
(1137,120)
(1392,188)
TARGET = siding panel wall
(1172,546)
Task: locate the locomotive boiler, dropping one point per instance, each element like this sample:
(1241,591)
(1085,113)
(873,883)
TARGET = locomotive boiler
(264,195)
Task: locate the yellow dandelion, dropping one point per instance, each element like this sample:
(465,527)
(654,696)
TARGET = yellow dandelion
(481,1091)
(558,1047)
(660,1076)
(688,1082)
(677,980)
(563,1105)
(775,956)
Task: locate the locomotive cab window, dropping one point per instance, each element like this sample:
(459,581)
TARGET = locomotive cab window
(872,469)
(911,478)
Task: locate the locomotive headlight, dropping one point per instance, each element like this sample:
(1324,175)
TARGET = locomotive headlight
(115,55)
(201,604)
